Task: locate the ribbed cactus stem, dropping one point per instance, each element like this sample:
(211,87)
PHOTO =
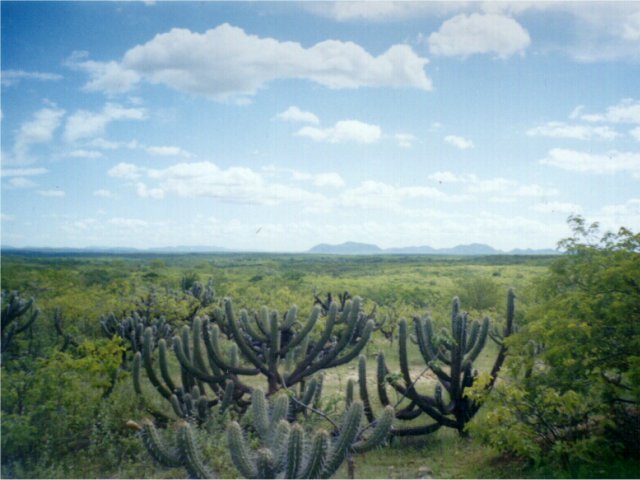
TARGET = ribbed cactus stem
(157,448)
(280,409)
(317,456)
(364,391)
(480,342)
(191,454)
(348,400)
(227,397)
(348,432)
(265,463)
(239,453)
(279,443)
(135,373)
(294,452)
(381,380)
(164,367)
(379,434)
(260,412)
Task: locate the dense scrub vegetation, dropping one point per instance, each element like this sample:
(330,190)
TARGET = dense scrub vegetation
(565,404)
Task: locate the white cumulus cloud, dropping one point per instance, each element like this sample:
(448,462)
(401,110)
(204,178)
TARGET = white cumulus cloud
(38,130)
(586,162)
(344,131)
(625,111)
(465,35)
(85,124)
(579,132)
(227,63)
(295,114)
(9,78)
(125,170)
(458,142)
(168,151)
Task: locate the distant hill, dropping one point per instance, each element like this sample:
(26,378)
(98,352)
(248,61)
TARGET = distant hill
(347,248)
(355,248)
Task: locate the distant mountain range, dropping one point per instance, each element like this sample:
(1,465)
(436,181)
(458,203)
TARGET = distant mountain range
(354,248)
(347,248)
(117,250)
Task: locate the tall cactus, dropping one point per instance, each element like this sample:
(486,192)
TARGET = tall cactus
(278,348)
(450,357)
(281,349)
(18,315)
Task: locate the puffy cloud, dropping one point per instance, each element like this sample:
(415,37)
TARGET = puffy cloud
(328,180)
(128,171)
(579,132)
(625,111)
(143,191)
(51,193)
(168,151)
(225,63)
(635,133)
(84,124)
(9,78)
(38,130)
(21,182)
(344,131)
(380,195)
(233,185)
(585,162)
(294,114)
(109,77)
(458,142)
(465,35)
(503,189)
(382,11)
(81,153)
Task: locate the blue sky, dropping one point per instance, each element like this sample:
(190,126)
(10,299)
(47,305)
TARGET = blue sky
(277,126)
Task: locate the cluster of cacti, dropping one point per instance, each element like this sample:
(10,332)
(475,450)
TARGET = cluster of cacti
(285,451)
(450,356)
(18,315)
(132,328)
(205,294)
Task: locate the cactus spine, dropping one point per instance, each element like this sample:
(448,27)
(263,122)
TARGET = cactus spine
(450,357)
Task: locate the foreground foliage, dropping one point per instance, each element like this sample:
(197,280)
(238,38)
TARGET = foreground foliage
(575,365)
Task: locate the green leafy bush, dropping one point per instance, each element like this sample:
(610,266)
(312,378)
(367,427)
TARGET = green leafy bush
(575,364)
